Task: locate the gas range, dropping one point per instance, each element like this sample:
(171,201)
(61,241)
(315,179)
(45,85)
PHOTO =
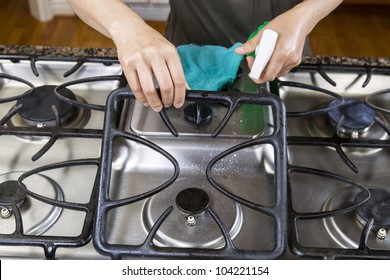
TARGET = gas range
(338,144)
(89,173)
(50,153)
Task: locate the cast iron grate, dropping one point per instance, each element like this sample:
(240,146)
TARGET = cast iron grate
(148,249)
(50,243)
(363,250)
(58,131)
(20,236)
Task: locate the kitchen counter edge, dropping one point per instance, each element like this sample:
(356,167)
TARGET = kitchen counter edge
(46,51)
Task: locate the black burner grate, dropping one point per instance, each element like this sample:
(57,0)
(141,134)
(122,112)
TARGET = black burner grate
(51,243)
(339,144)
(228,251)
(35,238)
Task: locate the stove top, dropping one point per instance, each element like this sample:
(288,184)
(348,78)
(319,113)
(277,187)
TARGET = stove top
(199,192)
(50,154)
(291,169)
(338,146)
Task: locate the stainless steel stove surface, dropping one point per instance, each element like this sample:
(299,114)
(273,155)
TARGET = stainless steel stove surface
(68,167)
(229,176)
(338,156)
(181,192)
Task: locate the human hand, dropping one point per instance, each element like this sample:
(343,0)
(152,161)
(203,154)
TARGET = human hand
(288,49)
(292,27)
(146,55)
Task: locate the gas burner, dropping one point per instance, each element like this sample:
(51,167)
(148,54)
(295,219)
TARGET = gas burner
(11,193)
(192,201)
(346,229)
(198,113)
(364,127)
(377,208)
(37,217)
(352,117)
(37,109)
(190,225)
(355,118)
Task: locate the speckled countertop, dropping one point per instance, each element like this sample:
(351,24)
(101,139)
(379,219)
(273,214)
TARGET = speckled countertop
(57,51)
(70,52)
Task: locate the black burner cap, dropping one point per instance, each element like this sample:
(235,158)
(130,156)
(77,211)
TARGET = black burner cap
(357,115)
(198,113)
(11,193)
(37,106)
(192,201)
(377,208)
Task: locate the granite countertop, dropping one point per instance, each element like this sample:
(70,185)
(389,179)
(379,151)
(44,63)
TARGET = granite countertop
(71,52)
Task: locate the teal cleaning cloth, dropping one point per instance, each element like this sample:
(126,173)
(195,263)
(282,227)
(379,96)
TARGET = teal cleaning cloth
(209,67)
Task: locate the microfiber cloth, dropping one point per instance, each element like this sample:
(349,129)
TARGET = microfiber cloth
(209,67)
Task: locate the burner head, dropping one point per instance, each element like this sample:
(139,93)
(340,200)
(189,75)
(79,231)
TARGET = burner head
(179,229)
(198,113)
(37,107)
(11,193)
(192,201)
(377,208)
(358,117)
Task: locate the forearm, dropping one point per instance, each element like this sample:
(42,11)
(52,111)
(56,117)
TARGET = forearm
(109,17)
(145,55)
(312,11)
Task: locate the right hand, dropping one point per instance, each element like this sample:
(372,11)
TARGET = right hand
(144,55)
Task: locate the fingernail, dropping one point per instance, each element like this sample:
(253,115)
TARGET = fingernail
(146,104)
(178,105)
(157,109)
(167,105)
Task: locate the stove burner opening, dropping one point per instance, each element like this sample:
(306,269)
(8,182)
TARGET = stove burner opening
(192,201)
(190,225)
(37,217)
(198,113)
(346,229)
(377,208)
(353,115)
(37,107)
(11,193)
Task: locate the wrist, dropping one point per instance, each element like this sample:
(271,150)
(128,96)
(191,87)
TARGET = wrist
(122,21)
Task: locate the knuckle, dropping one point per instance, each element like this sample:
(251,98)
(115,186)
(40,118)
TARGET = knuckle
(129,60)
(269,76)
(180,83)
(136,89)
(166,87)
(296,60)
(148,91)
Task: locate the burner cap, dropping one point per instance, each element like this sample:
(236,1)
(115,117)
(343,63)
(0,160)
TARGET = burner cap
(11,193)
(192,201)
(377,207)
(198,113)
(176,232)
(37,106)
(357,115)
